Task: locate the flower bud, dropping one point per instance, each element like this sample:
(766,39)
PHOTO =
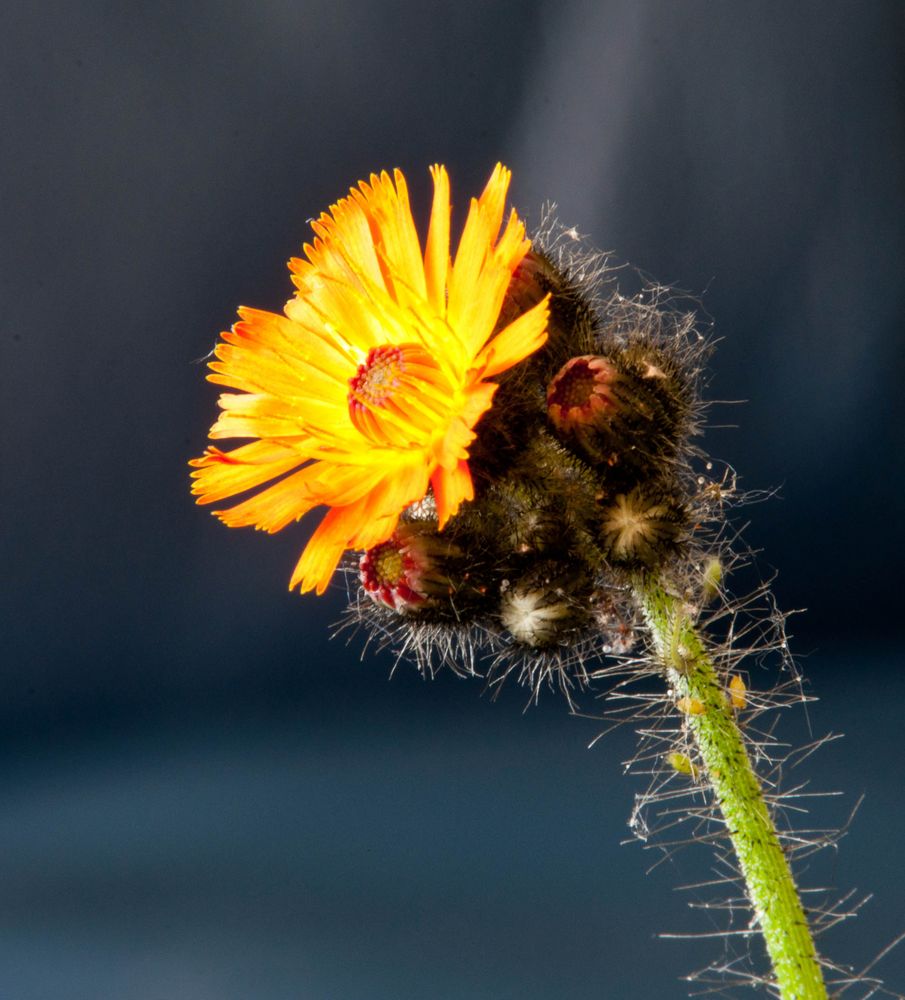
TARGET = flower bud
(406,572)
(545,606)
(641,527)
(581,395)
(622,410)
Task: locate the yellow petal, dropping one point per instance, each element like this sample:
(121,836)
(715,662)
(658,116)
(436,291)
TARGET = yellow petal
(451,488)
(387,206)
(275,507)
(474,247)
(224,474)
(321,555)
(436,257)
(522,337)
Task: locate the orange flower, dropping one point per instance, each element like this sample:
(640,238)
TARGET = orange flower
(366,392)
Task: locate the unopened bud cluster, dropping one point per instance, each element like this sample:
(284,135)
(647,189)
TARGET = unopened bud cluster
(581,473)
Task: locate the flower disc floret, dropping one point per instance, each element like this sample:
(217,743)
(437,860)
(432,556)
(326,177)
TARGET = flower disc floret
(365,394)
(376,381)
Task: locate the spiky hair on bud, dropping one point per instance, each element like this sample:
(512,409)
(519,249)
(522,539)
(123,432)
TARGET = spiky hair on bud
(584,473)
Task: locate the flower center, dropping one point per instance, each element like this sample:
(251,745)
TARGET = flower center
(574,387)
(387,567)
(377,379)
(399,396)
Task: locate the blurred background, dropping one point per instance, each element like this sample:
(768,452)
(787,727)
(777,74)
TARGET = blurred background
(201,795)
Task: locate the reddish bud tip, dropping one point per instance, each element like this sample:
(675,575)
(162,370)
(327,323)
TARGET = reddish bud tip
(581,393)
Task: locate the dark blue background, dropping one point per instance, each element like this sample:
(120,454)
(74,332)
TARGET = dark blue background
(201,796)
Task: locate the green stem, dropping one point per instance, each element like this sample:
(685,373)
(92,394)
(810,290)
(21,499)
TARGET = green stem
(763,863)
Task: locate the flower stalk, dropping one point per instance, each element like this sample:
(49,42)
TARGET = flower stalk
(727,767)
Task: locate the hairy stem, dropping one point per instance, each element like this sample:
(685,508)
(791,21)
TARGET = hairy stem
(701,694)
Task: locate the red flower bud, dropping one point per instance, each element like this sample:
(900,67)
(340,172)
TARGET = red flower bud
(581,394)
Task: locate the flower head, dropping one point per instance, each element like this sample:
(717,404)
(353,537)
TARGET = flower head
(365,394)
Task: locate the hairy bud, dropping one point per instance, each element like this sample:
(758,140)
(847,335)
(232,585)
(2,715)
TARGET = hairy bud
(545,605)
(642,526)
(407,572)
